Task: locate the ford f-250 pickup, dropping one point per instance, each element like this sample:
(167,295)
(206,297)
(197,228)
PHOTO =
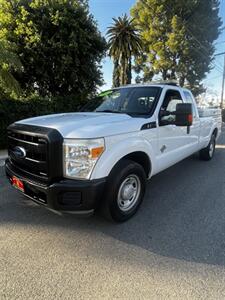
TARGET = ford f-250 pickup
(80,162)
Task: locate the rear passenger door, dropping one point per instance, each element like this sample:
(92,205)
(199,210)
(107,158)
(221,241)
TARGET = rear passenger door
(195,128)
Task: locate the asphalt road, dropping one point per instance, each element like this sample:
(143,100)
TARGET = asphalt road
(174,248)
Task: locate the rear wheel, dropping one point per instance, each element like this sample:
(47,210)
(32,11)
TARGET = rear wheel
(124,191)
(208,152)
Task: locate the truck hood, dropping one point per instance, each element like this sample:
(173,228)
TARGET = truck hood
(87,125)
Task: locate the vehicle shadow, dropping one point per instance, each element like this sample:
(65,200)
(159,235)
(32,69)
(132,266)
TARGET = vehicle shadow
(182,216)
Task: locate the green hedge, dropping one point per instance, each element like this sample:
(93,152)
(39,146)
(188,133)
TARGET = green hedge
(12,110)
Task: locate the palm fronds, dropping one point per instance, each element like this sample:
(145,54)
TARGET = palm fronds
(123,42)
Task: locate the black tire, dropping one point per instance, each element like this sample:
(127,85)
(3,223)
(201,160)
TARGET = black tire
(208,152)
(119,177)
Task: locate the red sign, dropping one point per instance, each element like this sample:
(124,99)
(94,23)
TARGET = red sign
(17,183)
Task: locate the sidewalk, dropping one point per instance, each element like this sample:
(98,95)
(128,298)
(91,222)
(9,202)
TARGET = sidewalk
(3,154)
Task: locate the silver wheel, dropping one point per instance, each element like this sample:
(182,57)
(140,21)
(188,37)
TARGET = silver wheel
(129,193)
(212,148)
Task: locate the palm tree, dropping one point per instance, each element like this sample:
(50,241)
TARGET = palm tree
(8,61)
(124,42)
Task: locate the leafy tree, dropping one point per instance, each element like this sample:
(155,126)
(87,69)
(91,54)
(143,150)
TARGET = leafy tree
(58,43)
(8,61)
(178,38)
(124,43)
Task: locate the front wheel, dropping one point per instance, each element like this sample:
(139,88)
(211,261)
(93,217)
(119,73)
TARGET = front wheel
(124,191)
(208,152)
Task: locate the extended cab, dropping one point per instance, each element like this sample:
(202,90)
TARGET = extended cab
(78,162)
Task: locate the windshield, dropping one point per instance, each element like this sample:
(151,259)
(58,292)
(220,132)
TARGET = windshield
(134,101)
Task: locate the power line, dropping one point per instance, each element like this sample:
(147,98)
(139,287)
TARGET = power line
(200,44)
(217,67)
(206,50)
(218,43)
(223,81)
(209,79)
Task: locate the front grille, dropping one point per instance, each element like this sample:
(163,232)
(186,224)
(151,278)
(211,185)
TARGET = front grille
(43,147)
(36,149)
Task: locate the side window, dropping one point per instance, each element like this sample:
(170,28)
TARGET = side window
(189,99)
(172,98)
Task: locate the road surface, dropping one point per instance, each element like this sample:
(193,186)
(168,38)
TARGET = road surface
(174,248)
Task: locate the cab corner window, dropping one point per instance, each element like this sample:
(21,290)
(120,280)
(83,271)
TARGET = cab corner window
(189,99)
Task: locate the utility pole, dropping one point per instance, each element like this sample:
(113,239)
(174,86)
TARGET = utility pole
(223,81)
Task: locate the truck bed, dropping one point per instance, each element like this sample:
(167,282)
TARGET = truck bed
(205,113)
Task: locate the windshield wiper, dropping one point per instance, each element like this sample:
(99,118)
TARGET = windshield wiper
(109,111)
(138,113)
(123,112)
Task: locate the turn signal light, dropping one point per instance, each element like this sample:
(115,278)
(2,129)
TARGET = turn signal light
(96,152)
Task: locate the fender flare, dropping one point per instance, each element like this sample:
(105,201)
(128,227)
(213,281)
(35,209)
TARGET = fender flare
(118,151)
(215,129)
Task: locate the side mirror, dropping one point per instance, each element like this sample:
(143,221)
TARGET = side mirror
(184,114)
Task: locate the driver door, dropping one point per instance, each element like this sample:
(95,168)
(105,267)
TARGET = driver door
(173,140)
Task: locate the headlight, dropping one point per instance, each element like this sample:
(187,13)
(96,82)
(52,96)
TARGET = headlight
(80,157)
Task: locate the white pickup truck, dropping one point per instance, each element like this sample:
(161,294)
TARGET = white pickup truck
(80,162)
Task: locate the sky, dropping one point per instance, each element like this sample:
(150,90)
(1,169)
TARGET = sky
(105,10)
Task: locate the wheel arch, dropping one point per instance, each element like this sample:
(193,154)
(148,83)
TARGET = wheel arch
(215,132)
(142,159)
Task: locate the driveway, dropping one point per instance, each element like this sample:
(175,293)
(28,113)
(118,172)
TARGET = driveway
(174,248)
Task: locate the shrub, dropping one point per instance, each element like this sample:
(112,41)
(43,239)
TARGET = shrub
(58,44)
(12,110)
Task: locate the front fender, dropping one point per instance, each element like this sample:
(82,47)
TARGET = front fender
(116,151)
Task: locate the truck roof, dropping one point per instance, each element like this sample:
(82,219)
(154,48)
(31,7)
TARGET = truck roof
(156,84)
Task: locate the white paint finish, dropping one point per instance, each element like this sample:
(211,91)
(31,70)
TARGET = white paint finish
(121,145)
(123,135)
(174,144)
(175,140)
(87,125)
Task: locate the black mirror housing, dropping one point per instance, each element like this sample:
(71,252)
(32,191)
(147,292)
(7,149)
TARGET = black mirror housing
(184,114)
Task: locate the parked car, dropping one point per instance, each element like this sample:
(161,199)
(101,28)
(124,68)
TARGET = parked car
(80,162)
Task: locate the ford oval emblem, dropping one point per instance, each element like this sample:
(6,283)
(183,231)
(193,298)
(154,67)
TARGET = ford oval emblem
(19,152)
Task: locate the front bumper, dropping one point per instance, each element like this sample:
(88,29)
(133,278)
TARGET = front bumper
(66,195)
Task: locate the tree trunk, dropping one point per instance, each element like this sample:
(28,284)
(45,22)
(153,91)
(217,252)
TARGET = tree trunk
(129,71)
(173,74)
(164,74)
(123,71)
(182,80)
(116,73)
